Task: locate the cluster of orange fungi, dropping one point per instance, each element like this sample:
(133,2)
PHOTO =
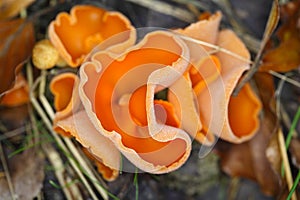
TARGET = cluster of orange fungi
(111,108)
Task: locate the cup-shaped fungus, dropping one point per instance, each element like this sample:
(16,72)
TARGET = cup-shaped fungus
(75,35)
(109,88)
(66,101)
(120,111)
(214,78)
(113,108)
(243,112)
(67,104)
(62,88)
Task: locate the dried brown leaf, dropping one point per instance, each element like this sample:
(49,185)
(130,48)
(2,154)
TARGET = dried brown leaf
(11,8)
(19,93)
(249,160)
(286,56)
(258,158)
(27,175)
(16,43)
(14,117)
(273,154)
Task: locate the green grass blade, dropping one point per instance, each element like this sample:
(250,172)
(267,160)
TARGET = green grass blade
(294,186)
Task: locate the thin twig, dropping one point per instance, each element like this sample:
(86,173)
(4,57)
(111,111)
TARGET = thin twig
(198,4)
(227,7)
(12,133)
(278,97)
(270,27)
(7,174)
(286,78)
(3,128)
(166,8)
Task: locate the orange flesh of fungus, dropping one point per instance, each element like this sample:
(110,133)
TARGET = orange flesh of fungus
(103,99)
(137,108)
(243,111)
(106,172)
(62,88)
(211,69)
(93,27)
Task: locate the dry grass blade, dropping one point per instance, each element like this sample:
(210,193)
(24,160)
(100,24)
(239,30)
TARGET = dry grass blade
(287,168)
(270,27)
(70,149)
(196,3)
(53,157)
(69,143)
(167,9)
(57,163)
(85,167)
(215,48)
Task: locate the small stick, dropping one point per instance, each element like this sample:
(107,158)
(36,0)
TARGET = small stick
(165,8)
(12,133)
(287,79)
(7,175)
(270,27)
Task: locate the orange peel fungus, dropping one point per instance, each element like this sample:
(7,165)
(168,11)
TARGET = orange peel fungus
(74,35)
(112,111)
(125,111)
(214,80)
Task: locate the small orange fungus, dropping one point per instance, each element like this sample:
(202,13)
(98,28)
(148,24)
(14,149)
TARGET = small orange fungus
(87,26)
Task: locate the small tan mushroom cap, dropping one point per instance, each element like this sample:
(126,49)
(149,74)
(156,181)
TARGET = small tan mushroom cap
(44,55)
